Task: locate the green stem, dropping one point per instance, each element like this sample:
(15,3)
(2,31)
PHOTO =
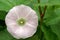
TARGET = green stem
(41,19)
(40,11)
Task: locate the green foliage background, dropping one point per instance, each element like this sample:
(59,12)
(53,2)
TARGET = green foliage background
(51,23)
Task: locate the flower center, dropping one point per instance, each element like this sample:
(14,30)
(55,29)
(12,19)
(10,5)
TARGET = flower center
(21,21)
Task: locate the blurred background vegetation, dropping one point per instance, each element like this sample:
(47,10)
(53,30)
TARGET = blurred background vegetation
(51,21)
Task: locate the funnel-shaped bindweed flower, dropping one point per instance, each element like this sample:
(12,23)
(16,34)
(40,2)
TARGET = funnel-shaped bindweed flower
(21,21)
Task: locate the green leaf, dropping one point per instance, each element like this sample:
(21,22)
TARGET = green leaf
(4,35)
(50,14)
(56,23)
(52,18)
(48,33)
(49,2)
(6,5)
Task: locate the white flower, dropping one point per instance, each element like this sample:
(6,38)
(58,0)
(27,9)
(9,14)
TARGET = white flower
(21,22)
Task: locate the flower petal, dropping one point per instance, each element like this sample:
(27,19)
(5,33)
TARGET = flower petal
(32,18)
(22,10)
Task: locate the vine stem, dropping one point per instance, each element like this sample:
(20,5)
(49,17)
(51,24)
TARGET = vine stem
(40,11)
(41,18)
